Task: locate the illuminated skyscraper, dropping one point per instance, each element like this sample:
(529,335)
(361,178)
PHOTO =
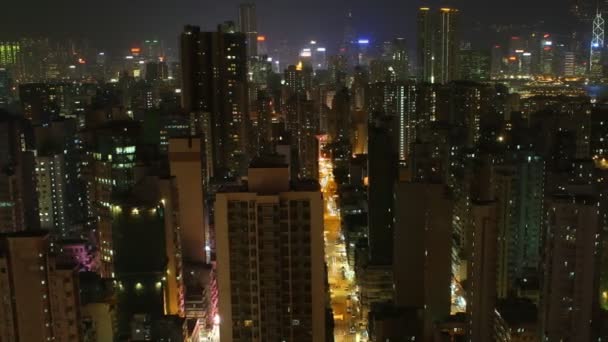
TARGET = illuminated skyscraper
(437,44)
(319,58)
(152,50)
(547,55)
(248,25)
(108,170)
(303,125)
(5,92)
(362,47)
(569,63)
(298,80)
(446,44)
(9,52)
(59,185)
(398,101)
(399,59)
(597,46)
(425,45)
(473,65)
(214,84)
(519,201)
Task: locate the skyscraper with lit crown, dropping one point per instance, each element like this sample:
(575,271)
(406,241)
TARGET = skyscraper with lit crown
(437,44)
(214,85)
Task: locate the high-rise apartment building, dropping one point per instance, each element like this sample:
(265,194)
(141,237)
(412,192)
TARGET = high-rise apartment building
(482,269)
(519,191)
(60,187)
(398,101)
(382,173)
(599,129)
(303,125)
(264,143)
(437,44)
(214,84)
(109,172)
(571,268)
(39,300)
(270,258)
(298,80)
(18,200)
(339,117)
(422,250)
(52,192)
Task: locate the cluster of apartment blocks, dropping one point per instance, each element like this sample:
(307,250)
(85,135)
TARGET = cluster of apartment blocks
(264,282)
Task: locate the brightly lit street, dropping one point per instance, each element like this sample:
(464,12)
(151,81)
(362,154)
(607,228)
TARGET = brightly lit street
(344,300)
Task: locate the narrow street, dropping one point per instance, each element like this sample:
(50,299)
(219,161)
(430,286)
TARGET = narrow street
(344,301)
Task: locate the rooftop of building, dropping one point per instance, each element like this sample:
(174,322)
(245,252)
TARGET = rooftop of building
(269,161)
(303,185)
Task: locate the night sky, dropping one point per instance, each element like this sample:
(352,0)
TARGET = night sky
(116,23)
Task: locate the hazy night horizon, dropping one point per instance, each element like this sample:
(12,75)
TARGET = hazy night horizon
(304,171)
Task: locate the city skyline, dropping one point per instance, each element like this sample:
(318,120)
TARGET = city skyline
(324,21)
(304,172)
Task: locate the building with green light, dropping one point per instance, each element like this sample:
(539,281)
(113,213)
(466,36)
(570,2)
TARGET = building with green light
(9,53)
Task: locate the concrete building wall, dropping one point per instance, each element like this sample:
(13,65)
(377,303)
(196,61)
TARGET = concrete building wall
(482,272)
(98,316)
(422,247)
(38,301)
(186,166)
(65,305)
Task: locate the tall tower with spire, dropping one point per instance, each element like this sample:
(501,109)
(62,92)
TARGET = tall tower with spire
(597,46)
(347,48)
(349,30)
